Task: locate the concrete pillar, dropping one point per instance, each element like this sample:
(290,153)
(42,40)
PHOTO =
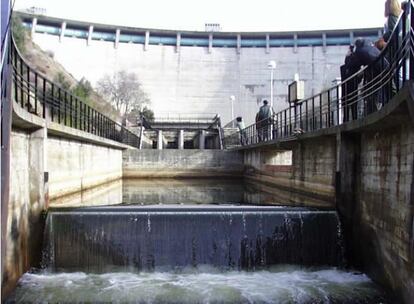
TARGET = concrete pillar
(324,42)
(62,31)
(267,43)
(295,43)
(178,45)
(159,140)
(181,140)
(147,36)
(238,43)
(202,140)
(210,42)
(34,24)
(90,34)
(351,37)
(117,34)
(38,171)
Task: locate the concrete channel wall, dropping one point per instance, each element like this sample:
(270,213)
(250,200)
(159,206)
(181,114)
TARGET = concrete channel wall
(182,163)
(308,170)
(74,166)
(365,169)
(379,217)
(48,161)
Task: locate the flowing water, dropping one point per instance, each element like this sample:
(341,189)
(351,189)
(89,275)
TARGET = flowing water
(284,284)
(192,242)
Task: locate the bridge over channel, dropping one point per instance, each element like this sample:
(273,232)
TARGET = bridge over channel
(352,150)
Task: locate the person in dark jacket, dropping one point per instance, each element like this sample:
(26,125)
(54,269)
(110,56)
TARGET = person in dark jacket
(263,121)
(366,54)
(350,86)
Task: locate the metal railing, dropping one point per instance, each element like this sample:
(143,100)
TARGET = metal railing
(197,118)
(40,96)
(365,92)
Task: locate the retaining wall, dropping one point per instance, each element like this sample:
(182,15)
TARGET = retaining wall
(182,163)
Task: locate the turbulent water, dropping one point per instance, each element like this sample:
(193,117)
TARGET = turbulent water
(283,284)
(195,242)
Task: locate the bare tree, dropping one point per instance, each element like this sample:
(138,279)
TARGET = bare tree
(123,90)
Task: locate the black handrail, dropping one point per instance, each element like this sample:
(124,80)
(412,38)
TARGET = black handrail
(337,105)
(40,96)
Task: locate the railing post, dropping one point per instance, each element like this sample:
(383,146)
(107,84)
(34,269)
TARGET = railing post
(328,117)
(320,111)
(71,111)
(21,82)
(84,117)
(52,103)
(28,88)
(44,98)
(60,104)
(36,93)
(16,92)
(337,106)
(65,105)
(306,116)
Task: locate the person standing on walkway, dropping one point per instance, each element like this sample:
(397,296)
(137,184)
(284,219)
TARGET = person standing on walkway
(392,12)
(263,121)
(241,126)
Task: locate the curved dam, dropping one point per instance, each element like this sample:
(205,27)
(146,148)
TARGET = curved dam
(197,72)
(322,213)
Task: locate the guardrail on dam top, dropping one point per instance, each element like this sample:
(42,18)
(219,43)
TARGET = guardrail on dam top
(348,101)
(121,34)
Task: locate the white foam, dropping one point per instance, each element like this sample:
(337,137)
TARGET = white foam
(287,284)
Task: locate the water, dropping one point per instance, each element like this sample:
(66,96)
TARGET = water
(148,238)
(201,241)
(283,284)
(184,192)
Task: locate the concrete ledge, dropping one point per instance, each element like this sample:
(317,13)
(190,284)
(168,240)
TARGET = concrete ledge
(71,133)
(26,120)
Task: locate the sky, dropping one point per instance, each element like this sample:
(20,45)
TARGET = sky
(232,15)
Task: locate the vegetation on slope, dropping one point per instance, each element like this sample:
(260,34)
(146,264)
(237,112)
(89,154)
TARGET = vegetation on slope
(44,63)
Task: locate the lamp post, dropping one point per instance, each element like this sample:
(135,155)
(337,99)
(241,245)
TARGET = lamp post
(232,99)
(272,66)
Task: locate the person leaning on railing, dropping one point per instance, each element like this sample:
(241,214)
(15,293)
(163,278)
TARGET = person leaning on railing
(366,54)
(350,87)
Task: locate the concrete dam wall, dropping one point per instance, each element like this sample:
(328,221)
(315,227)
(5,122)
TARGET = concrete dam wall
(197,72)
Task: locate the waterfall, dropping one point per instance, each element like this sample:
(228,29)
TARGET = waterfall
(102,239)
